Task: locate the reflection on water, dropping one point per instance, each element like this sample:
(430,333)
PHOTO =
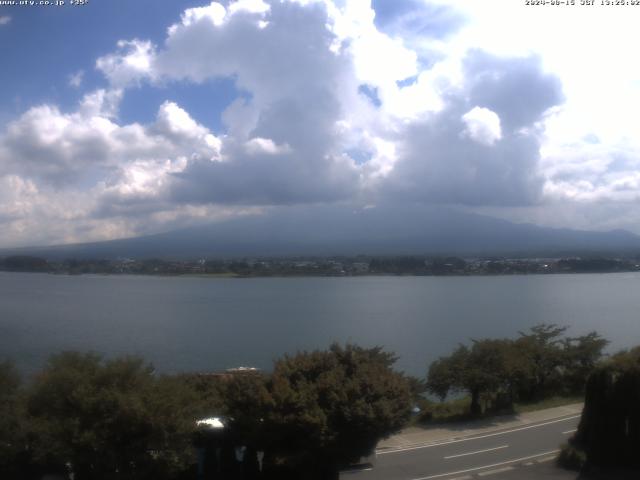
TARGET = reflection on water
(182,323)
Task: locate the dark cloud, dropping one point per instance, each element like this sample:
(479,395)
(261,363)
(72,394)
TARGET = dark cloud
(438,162)
(295,160)
(517,89)
(283,147)
(308,128)
(58,149)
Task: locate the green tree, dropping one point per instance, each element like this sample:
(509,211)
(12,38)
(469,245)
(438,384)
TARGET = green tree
(109,419)
(486,369)
(445,374)
(13,432)
(247,402)
(541,349)
(332,407)
(581,355)
(609,430)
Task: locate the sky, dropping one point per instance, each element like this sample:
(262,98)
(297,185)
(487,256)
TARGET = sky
(123,118)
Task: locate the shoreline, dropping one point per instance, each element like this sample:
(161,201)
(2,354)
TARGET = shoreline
(309,275)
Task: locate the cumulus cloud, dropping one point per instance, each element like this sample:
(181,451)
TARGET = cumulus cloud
(5,20)
(291,140)
(131,64)
(283,145)
(464,154)
(257,146)
(80,176)
(482,125)
(337,102)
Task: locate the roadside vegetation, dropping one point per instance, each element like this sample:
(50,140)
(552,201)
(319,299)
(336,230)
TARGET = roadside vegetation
(540,368)
(608,437)
(116,419)
(314,414)
(434,412)
(544,368)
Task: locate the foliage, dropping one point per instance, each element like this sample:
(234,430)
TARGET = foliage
(541,363)
(581,355)
(247,402)
(331,407)
(109,419)
(542,349)
(452,410)
(488,367)
(24,263)
(609,430)
(12,423)
(9,426)
(571,457)
(116,419)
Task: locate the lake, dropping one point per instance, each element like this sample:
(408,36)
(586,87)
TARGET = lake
(209,324)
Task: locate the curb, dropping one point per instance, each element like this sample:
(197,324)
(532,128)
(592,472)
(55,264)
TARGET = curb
(468,436)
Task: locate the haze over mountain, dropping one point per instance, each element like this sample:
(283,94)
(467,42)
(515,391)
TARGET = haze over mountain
(326,231)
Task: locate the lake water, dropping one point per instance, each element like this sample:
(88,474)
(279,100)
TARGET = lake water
(206,324)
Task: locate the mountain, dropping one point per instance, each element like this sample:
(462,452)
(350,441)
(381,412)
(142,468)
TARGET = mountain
(328,231)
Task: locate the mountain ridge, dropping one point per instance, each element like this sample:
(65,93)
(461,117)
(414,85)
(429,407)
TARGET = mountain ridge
(330,231)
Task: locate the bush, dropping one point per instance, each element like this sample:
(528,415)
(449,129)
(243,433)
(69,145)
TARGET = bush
(571,458)
(609,431)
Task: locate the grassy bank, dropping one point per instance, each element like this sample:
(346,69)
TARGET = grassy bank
(457,410)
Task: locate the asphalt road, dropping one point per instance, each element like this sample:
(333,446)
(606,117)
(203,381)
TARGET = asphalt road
(494,453)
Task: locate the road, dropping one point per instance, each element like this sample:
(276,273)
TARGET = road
(476,456)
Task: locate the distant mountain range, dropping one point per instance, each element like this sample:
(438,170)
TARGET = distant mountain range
(332,231)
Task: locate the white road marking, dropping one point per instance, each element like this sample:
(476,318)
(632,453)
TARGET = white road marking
(570,431)
(448,442)
(356,471)
(515,460)
(479,451)
(493,472)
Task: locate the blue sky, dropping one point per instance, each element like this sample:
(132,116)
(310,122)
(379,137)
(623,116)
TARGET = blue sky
(122,118)
(54,43)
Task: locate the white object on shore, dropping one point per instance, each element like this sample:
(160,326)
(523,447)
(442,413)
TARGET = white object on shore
(212,422)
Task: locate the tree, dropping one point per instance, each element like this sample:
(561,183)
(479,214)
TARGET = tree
(488,368)
(445,374)
(24,263)
(543,352)
(502,371)
(581,355)
(609,430)
(109,419)
(247,402)
(13,433)
(332,407)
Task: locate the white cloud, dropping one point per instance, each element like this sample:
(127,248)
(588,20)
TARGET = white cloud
(175,121)
(87,146)
(267,146)
(80,176)
(460,116)
(75,79)
(130,65)
(101,103)
(482,125)
(215,13)
(600,82)
(5,20)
